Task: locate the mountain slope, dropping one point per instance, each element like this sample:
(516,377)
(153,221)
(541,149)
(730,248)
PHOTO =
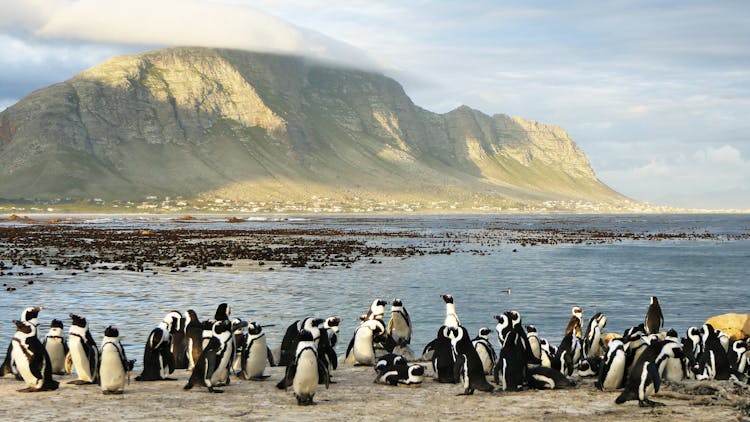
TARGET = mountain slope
(259,127)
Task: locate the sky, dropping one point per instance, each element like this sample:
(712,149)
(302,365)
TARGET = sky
(656,93)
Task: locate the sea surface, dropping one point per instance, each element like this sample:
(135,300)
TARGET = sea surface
(704,273)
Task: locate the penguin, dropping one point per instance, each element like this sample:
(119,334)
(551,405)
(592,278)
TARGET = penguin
(331,325)
(534,343)
(255,354)
(612,371)
(543,378)
(399,326)
(303,373)
(575,325)
(239,340)
(468,366)
(56,347)
(179,340)
(569,353)
(326,353)
(158,360)
(713,362)
(220,376)
(589,367)
(444,357)
(451,317)
(510,369)
(401,374)
(636,341)
(377,310)
(31,360)
(738,352)
(723,339)
(675,369)
(289,341)
(361,345)
(645,373)
(593,345)
(388,361)
(83,351)
(548,355)
(30,315)
(485,350)
(114,366)
(193,338)
(223,311)
(211,357)
(654,319)
(503,328)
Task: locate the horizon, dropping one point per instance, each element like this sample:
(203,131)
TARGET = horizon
(659,117)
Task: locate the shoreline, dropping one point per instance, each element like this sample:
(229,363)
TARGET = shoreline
(354,396)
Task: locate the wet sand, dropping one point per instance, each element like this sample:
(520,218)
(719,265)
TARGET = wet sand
(355,397)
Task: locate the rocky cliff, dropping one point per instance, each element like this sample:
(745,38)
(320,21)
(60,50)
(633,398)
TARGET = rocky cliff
(259,127)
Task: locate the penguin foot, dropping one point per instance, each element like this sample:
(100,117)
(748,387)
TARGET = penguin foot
(168,379)
(27,390)
(214,390)
(649,403)
(261,378)
(79,382)
(467,392)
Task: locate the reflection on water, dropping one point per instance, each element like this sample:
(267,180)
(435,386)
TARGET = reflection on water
(693,279)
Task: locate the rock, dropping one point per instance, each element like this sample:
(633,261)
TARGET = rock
(737,326)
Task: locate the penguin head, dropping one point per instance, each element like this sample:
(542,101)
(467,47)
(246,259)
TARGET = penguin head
(78,320)
(174,321)
(56,323)
(111,331)
(531,329)
(447,298)
(672,333)
(397,302)
(221,326)
(515,318)
(484,332)
(416,370)
(192,316)
(654,301)
(238,325)
(25,327)
(254,328)
(222,312)
(577,311)
(312,323)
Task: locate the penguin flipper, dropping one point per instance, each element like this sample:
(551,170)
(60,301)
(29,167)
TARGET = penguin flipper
(653,372)
(269,353)
(289,373)
(458,367)
(430,346)
(323,370)
(351,345)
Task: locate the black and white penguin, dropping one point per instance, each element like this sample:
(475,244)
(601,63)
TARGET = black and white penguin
(29,315)
(211,357)
(158,360)
(485,350)
(361,346)
(654,319)
(534,341)
(220,376)
(713,362)
(326,353)
(645,375)
(443,356)
(377,310)
(468,364)
(549,355)
(543,378)
(304,371)
(510,369)
(636,340)
(289,341)
(401,374)
(593,344)
(389,360)
(83,351)
(223,312)
(451,317)
(569,353)
(113,364)
(239,339)
(589,367)
(31,360)
(193,338)
(613,370)
(575,324)
(399,325)
(255,354)
(674,369)
(332,326)
(179,340)
(738,356)
(57,347)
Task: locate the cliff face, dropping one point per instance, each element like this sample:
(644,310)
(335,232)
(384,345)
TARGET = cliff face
(248,126)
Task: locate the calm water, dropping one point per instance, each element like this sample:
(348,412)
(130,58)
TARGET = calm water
(693,279)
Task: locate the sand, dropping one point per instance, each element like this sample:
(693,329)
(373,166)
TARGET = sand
(354,397)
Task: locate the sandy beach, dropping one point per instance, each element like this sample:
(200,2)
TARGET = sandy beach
(355,397)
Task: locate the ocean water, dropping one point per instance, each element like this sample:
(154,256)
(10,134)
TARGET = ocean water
(701,269)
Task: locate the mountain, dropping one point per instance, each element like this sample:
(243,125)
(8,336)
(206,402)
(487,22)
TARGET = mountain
(198,122)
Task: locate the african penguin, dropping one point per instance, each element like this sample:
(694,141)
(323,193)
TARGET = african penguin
(543,378)
(468,364)
(113,364)
(29,315)
(239,340)
(211,357)
(377,310)
(534,343)
(289,341)
(645,376)
(443,356)
(255,354)
(389,360)
(399,326)
(31,360)
(451,317)
(654,319)
(575,325)
(179,340)
(401,374)
(738,353)
(83,351)
(361,345)
(511,365)
(304,371)
(612,371)
(593,345)
(713,362)
(158,360)
(57,347)
(193,338)
(485,350)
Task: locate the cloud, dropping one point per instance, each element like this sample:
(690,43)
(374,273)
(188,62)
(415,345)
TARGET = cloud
(174,23)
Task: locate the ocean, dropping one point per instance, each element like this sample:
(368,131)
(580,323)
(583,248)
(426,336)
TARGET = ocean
(538,265)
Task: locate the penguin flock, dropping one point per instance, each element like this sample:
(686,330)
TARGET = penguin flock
(635,362)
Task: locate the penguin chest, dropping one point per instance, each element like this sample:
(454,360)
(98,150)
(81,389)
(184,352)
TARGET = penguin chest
(615,374)
(306,377)
(400,329)
(257,356)
(56,352)
(485,358)
(112,374)
(23,365)
(79,355)
(363,351)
